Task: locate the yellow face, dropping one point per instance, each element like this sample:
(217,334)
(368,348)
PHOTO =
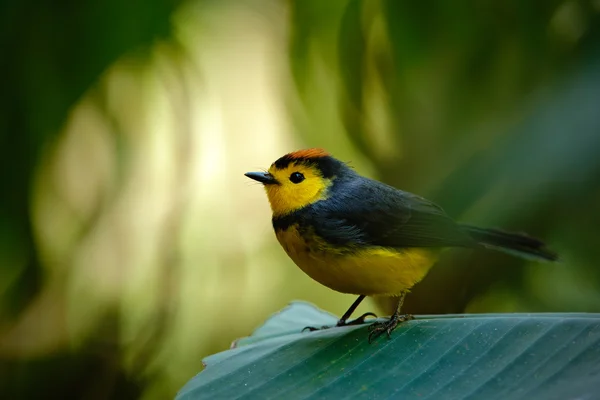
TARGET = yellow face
(299,185)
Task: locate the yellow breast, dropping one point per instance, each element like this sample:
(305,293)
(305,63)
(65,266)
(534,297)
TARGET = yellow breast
(369,271)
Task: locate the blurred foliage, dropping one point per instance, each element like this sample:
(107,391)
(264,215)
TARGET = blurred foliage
(51,54)
(126,223)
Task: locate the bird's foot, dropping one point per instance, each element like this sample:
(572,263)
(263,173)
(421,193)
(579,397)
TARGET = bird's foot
(312,328)
(378,328)
(358,321)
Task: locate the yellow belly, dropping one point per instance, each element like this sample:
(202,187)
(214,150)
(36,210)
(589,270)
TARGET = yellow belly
(369,271)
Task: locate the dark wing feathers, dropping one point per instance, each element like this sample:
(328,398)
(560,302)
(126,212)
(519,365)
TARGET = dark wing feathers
(369,212)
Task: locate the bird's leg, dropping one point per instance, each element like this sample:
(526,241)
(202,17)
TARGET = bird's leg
(342,322)
(378,328)
(358,321)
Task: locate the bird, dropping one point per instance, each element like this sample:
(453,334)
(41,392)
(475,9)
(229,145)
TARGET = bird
(360,236)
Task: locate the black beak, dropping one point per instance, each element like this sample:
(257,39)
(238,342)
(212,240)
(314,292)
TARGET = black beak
(262,177)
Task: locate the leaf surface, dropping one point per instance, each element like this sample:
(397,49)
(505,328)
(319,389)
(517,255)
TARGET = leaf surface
(482,356)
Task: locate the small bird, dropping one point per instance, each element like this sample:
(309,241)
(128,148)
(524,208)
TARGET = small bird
(360,236)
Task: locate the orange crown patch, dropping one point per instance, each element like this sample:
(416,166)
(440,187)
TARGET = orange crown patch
(300,155)
(307,153)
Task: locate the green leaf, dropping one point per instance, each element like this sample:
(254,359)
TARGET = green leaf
(485,356)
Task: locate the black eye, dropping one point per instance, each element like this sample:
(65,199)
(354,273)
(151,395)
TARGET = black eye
(296,177)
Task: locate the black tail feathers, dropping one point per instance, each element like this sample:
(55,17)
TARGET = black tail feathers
(512,243)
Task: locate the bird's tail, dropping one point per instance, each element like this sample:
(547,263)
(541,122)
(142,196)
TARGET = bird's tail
(512,243)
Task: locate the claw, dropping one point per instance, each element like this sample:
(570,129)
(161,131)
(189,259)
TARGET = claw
(358,321)
(378,328)
(312,328)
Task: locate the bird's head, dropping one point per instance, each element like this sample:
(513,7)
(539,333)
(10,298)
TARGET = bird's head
(298,179)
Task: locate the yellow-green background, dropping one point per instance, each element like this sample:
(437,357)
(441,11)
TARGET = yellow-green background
(131,244)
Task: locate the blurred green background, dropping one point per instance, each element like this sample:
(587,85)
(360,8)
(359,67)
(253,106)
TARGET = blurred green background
(131,244)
